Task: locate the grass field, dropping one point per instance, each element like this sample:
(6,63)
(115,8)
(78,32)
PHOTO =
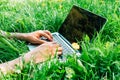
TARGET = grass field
(100,58)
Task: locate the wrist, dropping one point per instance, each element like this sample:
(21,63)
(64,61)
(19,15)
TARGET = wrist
(21,36)
(10,66)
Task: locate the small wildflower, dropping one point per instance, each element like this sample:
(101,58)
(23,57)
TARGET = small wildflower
(117,1)
(60,6)
(37,0)
(109,44)
(75,45)
(69,72)
(59,0)
(43,4)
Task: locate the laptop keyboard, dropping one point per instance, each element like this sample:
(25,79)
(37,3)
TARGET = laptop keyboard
(66,48)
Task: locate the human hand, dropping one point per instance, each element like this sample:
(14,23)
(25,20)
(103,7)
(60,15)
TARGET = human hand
(44,52)
(39,54)
(34,37)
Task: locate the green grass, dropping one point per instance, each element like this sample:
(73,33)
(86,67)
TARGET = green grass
(100,58)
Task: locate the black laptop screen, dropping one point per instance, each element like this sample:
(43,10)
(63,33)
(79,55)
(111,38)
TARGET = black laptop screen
(80,22)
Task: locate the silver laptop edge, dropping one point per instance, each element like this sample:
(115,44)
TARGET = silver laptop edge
(67,43)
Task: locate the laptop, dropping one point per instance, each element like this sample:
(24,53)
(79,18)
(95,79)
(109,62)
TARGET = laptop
(78,23)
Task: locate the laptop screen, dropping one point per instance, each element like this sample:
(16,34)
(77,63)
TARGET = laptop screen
(80,22)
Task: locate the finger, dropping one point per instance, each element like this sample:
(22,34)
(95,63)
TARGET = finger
(60,49)
(54,42)
(49,33)
(39,41)
(56,45)
(59,53)
(46,36)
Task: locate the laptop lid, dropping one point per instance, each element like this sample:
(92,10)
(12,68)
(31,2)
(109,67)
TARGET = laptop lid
(80,22)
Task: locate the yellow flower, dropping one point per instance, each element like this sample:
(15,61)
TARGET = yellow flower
(117,1)
(59,0)
(75,45)
(37,0)
(60,6)
(43,4)
(109,44)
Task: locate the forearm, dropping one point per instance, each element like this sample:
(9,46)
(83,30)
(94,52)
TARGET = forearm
(34,56)
(12,35)
(20,36)
(10,66)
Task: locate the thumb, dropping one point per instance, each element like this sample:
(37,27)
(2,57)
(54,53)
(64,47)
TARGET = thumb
(40,41)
